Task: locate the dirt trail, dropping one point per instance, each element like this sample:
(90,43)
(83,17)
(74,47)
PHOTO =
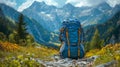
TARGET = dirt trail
(57,62)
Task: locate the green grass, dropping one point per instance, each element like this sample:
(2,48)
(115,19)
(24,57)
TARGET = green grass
(106,54)
(12,55)
(18,56)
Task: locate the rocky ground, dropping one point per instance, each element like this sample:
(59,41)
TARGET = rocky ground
(85,62)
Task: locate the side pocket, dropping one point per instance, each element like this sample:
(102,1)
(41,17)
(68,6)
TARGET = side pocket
(82,50)
(62,48)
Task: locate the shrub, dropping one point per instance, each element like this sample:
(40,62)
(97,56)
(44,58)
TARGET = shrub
(2,36)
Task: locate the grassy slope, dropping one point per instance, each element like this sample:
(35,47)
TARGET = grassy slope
(106,54)
(14,55)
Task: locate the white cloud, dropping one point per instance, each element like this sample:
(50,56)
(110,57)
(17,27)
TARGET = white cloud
(72,1)
(29,2)
(11,3)
(83,3)
(113,2)
(25,5)
(80,3)
(51,2)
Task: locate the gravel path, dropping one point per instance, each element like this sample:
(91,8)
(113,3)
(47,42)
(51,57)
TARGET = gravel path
(58,62)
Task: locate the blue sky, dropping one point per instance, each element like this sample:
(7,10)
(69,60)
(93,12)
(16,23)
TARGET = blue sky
(22,4)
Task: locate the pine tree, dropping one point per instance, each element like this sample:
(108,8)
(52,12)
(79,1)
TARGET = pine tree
(20,35)
(21,29)
(96,42)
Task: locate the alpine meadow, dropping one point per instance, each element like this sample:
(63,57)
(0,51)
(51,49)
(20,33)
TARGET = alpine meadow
(59,33)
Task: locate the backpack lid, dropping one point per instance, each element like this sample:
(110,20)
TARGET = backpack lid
(69,22)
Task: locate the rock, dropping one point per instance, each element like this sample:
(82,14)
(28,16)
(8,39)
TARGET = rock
(118,51)
(109,64)
(56,57)
(58,62)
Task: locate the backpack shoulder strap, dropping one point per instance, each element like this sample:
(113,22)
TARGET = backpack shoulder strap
(79,32)
(61,32)
(68,42)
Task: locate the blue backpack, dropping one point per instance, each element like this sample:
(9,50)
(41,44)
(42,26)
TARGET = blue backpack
(71,37)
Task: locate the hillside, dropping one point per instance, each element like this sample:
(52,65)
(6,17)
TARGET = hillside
(40,34)
(106,54)
(107,30)
(14,55)
(6,24)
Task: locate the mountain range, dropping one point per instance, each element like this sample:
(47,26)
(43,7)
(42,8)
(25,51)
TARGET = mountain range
(51,16)
(44,21)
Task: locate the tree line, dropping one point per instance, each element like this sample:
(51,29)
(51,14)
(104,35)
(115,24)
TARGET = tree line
(19,35)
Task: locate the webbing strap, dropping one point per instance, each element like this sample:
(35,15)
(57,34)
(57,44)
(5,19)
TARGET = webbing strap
(67,36)
(79,42)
